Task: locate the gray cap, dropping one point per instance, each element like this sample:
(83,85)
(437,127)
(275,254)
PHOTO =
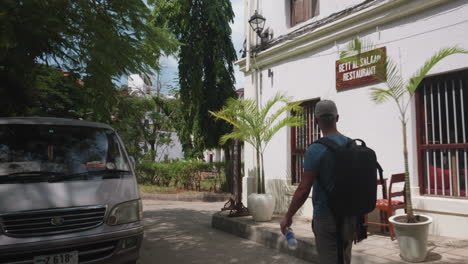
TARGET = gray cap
(325,108)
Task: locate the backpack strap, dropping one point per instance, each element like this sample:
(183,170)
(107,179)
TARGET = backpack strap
(339,220)
(333,146)
(328,143)
(380,170)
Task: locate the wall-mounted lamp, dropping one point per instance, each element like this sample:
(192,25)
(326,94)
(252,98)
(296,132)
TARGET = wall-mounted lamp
(257,22)
(270,73)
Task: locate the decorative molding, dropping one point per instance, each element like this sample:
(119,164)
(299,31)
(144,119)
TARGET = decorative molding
(348,26)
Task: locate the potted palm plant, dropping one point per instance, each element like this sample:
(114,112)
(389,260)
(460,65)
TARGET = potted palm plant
(257,125)
(411,230)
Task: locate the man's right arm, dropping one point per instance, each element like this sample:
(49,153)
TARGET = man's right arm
(299,197)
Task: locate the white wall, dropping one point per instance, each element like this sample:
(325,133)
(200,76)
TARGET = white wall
(312,75)
(218,155)
(173,150)
(137,85)
(278,14)
(135,82)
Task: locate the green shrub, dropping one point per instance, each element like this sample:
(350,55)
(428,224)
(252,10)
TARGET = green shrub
(185,174)
(144,172)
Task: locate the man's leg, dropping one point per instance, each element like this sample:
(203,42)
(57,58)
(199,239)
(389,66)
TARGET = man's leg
(324,229)
(325,239)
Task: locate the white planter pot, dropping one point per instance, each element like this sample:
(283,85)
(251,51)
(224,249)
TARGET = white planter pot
(412,238)
(261,206)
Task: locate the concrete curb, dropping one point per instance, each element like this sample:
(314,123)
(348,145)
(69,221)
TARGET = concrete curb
(205,197)
(269,236)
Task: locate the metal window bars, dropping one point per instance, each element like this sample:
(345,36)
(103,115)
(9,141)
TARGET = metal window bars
(442,134)
(301,138)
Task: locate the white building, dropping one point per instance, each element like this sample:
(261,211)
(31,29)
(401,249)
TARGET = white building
(138,85)
(218,155)
(172,150)
(301,60)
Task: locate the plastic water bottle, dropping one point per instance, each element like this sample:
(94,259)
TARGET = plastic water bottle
(292,242)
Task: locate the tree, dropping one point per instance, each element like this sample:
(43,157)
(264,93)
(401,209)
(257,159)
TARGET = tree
(100,40)
(147,120)
(206,73)
(401,92)
(257,126)
(58,94)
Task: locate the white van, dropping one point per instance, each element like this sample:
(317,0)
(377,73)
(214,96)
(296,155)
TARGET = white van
(68,194)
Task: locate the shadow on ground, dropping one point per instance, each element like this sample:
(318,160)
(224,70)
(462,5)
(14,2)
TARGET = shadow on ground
(178,235)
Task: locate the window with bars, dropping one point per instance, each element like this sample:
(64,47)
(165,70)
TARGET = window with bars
(303,10)
(301,138)
(442,124)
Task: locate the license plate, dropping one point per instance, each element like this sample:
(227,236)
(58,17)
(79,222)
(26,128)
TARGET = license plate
(62,258)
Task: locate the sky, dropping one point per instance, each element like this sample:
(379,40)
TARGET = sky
(169,64)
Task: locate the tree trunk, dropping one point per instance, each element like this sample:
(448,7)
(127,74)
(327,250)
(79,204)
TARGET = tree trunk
(152,144)
(228,168)
(259,186)
(263,174)
(409,204)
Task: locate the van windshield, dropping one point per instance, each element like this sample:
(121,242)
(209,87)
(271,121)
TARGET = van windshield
(58,153)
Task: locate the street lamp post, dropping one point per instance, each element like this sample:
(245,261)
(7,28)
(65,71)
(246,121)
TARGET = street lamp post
(234,205)
(257,22)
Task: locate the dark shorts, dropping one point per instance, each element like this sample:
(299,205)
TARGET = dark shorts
(324,229)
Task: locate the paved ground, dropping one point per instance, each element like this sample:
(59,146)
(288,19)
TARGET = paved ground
(376,249)
(181,232)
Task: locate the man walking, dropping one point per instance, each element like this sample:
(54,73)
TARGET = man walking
(318,172)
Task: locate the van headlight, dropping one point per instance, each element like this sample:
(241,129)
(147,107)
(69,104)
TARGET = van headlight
(125,213)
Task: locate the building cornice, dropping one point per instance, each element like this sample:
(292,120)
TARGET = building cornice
(348,26)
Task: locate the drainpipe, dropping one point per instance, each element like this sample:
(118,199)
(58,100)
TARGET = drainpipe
(249,183)
(247,32)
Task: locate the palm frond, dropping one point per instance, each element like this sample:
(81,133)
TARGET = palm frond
(279,97)
(416,79)
(351,49)
(226,117)
(391,75)
(355,48)
(239,135)
(292,107)
(366,45)
(249,113)
(257,126)
(237,112)
(292,120)
(380,95)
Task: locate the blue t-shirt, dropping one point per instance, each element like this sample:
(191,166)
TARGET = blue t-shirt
(320,160)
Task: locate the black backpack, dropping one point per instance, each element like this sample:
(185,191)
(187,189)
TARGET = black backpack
(355,178)
(355,191)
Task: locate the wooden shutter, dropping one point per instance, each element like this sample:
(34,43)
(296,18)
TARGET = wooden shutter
(298,15)
(302,10)
(315,8)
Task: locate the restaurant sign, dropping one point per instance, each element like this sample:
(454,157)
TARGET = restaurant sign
(361,69)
